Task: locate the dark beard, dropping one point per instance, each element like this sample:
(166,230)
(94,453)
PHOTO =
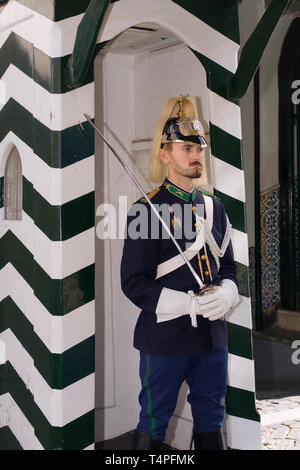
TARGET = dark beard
(196,174)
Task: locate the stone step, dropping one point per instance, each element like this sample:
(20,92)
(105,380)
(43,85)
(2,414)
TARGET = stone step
(280,423)
(288,320)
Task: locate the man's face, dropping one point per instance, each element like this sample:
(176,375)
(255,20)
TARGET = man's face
(184,159)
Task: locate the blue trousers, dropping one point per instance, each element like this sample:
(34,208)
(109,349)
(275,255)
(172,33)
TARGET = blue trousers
(162,377)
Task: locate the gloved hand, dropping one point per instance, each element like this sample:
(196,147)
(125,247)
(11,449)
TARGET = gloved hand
(216,305)
(172,304)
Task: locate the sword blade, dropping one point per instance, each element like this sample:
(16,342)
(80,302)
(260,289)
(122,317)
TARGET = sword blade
(196,277)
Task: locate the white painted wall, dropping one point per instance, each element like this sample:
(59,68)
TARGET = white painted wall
(116,360)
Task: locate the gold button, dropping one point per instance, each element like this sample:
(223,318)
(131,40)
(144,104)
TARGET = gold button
(206,273)
(203,257)
(195,224)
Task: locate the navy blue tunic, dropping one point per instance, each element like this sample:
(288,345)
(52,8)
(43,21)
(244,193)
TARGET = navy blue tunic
(140,259)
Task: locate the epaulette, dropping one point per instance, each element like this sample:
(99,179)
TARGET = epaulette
(208,194)
(150,195)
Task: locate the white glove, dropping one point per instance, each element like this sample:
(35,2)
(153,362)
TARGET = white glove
(216,305)
(172,304)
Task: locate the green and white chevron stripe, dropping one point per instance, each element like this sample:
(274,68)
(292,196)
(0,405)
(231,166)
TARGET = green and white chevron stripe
(47,260)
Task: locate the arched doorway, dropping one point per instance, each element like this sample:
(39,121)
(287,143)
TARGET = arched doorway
(217,53)
(146,57)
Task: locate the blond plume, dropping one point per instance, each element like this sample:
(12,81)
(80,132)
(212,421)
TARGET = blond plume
(157,169)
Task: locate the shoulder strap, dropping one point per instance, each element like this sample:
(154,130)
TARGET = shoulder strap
(209,209)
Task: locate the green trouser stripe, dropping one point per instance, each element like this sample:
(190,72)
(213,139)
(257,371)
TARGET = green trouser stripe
(54,294)
(241,403)
(149,409)
(78,434)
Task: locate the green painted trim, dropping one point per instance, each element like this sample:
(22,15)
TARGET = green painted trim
(235,210)
(239,341)
(56,10)
(11,317)
(85,42)
(76,435)
(62,148)
(63,296)
(243,279)
(14,252)
(43,7)
(241,403)
(78,289)
(226,147)
(49,74)
(16,118)
(59,223)
(16,51)
(58,370)
(72,225)
(254,48)
(59,296)
(225,21)
(56,148)
(45,216)
(217,76)
(8,441)
(47,71)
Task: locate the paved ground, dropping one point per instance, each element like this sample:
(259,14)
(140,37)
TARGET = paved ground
(280,420)
(280,424)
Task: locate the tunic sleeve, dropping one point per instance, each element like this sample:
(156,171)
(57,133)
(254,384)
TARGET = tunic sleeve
(140,260)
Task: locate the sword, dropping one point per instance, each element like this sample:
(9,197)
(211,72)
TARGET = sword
(203,289)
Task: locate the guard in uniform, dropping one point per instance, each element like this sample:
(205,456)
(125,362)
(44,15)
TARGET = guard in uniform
(180,335)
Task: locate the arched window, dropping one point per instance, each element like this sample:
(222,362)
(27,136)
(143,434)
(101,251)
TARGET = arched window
(13,187)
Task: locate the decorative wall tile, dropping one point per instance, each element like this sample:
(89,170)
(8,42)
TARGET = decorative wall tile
(270,256)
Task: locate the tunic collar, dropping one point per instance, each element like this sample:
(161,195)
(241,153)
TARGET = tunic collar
(178,191)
